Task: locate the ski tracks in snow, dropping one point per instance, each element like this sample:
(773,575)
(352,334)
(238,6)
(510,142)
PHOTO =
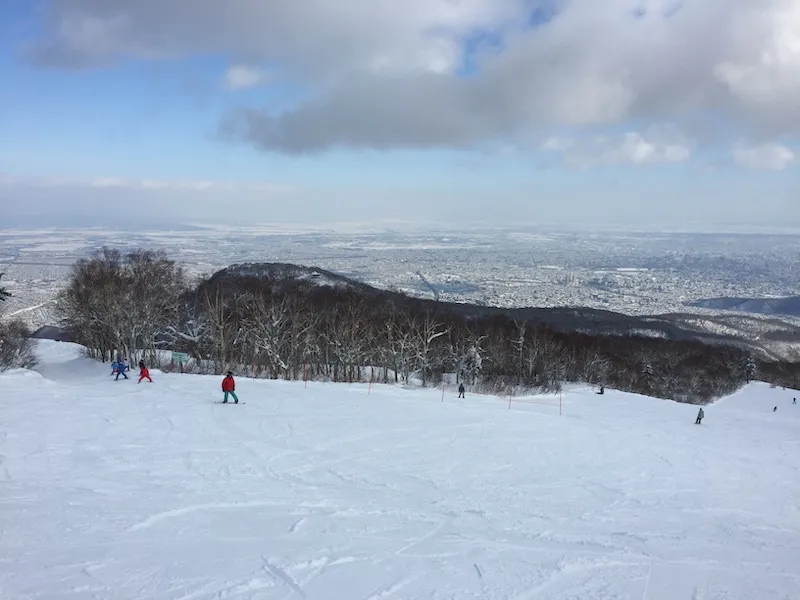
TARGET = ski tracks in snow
(282,576)
(179,512)
(324,493)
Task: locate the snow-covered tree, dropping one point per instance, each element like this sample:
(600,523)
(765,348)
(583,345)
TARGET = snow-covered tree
(426,332)
(4,294)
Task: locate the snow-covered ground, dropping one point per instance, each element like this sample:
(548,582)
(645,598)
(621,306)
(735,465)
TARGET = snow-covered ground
(113,490)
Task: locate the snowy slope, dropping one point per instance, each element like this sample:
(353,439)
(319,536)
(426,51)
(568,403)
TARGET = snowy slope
(113,490)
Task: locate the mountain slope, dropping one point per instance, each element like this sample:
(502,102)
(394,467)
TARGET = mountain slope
(117,490)
(768,338)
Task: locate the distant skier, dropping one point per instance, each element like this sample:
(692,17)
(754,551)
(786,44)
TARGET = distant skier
(461,390)
(775,409)
(143,372)
(229,387)
(700,416)
(794,400)
(602,390)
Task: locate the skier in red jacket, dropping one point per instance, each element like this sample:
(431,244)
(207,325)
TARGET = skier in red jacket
(143,372)
(229,387)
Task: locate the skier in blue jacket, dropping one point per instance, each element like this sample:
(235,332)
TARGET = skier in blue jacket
(121,368)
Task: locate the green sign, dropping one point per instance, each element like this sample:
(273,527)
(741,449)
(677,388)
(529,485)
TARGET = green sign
(180,358)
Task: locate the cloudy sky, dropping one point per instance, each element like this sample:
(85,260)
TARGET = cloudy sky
(646,112)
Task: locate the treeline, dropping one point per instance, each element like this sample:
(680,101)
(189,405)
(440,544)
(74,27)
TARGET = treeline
(277,323)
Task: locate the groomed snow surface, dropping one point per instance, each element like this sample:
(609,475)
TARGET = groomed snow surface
(113,490)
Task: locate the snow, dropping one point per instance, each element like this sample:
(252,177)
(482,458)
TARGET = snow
(116,490)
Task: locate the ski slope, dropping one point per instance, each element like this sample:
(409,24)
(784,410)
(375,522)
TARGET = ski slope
(113,490)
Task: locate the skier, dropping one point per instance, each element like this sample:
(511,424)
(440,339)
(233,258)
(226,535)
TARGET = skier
(461,390)
(794,400)
(602,390)
(143,372)
(229,387)
(775,409)
(114,367)
(700,416)
(120,371)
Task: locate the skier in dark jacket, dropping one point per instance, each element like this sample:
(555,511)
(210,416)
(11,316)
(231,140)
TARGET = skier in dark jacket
(229,387)
(461,390)
(700,416)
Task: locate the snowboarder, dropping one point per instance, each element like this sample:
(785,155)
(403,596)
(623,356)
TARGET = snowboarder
(229,387)
(461,390)
(700,416)
(143,372)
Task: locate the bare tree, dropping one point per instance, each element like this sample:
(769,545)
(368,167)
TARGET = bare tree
(92,305)
(269,322)
(221,328)
(16,347)
(519,343)
(426,332)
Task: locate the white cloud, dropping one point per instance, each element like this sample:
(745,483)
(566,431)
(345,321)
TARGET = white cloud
(766,157)
(384,73)
(765,71)
(657,145)
(239,77)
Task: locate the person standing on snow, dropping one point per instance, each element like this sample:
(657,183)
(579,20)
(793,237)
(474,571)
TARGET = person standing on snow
(229,387)
(143,372)
(461,390)
(121,368)
(700,416)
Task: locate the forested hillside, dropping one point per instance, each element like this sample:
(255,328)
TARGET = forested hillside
(285,321)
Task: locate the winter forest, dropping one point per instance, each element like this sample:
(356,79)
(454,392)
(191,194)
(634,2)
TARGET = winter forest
(282,323)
